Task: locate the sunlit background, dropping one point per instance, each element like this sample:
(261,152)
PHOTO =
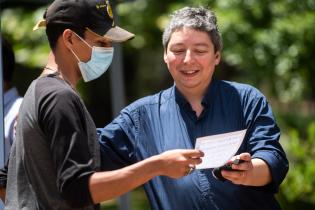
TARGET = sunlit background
(267,43)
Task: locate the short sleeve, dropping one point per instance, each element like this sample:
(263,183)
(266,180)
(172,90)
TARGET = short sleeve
(61,118)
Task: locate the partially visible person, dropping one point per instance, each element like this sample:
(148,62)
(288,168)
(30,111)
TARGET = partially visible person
(55,158)
(11,98)
(11,104)
(51,64)
(198,105)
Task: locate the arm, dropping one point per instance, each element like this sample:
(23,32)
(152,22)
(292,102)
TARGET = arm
(266,164)
(62,119)
(3,181)
(2,194)
(174,163)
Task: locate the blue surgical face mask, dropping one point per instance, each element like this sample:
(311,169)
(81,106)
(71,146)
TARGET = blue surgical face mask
(101,58)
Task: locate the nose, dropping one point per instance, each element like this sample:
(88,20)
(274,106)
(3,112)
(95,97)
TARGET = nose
(188,57)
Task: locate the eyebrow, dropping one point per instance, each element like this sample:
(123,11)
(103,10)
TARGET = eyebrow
(196,44)
(201,44)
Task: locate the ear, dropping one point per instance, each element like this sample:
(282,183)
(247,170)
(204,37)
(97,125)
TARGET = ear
(165,56)
(67,37)
(217,57)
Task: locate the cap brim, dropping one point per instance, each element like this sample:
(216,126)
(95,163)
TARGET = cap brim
(117,34)
(40,24)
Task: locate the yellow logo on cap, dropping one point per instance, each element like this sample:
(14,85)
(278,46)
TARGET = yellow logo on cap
(108,7)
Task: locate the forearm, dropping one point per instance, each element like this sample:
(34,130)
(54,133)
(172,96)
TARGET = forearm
(260,175)
(2,194)
(107,185)
(173,163)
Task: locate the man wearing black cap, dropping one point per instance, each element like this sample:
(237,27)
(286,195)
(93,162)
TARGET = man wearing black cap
(55,159)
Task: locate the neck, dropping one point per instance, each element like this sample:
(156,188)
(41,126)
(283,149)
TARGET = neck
(194,99)
(69,78)
(66,69)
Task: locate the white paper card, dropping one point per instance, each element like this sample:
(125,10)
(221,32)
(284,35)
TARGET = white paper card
(219,149)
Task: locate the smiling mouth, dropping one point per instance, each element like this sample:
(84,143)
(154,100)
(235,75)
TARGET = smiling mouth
(190,73)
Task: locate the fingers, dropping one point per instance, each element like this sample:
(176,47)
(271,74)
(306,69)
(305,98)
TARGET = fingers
(241,171)
(180,162)
(190,169)
(193,153)
(193,157)
(190,156)
(237,177)
(245,166)
(194,161)
(244,156)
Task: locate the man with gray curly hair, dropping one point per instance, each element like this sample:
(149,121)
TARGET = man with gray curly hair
(197,105)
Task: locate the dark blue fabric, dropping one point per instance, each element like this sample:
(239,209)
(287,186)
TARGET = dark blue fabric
(166,121)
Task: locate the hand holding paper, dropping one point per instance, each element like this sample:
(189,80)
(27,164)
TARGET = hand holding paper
(218,149)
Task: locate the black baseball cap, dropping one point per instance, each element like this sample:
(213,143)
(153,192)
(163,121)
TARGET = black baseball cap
(95,15)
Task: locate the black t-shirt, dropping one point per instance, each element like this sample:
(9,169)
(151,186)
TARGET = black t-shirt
(55,151)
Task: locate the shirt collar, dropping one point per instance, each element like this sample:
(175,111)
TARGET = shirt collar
(10,95)
(206,101)
(210,94)
(180,99)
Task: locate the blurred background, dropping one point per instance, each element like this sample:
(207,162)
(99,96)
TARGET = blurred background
(268,43)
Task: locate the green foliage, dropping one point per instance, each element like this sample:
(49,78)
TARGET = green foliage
(139,201)
(299,184)
(269,41)
(30,47)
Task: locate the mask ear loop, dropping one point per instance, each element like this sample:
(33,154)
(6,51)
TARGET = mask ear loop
(75,55)
(82,39)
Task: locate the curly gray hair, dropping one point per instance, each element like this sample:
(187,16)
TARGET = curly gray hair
(200,19)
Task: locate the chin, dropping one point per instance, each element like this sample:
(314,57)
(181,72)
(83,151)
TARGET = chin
(189,86)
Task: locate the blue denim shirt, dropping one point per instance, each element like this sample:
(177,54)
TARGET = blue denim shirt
(166,121)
